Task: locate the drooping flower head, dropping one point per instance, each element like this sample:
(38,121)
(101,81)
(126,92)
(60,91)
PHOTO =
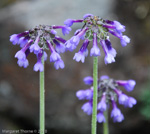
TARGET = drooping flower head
(95,30)
(37,40)
(108,94)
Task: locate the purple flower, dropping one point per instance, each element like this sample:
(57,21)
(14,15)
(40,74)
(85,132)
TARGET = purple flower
(128,85)
(118,118)
(88,80)
(77,32)
(66,30)
(111,50)
(115,112)
(60,39)
(116,33)
(45,56)
(123,99)
(20,55)
(95,51)
(60,48)
(79,57)
(84,94)
(124,40)
(89,94)
(54,57)
(39,66)
(87,15)
(74,41)
(96,29)
(107,92)
(37,40)
(83,52)
(109,57)
(35,47)
(103,77)
(102,104)
(81,94)
(69,22)
(119,27)
(53,32)
(23,63)
(70,46)
(87,108)
(130,102)
(100,117)
(15,37)
(59,64)
(23,41)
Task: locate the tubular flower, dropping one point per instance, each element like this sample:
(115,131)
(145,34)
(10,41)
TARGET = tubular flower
(36,41)
(96,30)
(108,94)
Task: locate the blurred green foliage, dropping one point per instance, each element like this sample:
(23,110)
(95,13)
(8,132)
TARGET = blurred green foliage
(4,3)
(145,99)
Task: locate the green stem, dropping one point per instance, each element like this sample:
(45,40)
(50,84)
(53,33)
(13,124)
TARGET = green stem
(42,101)
(105,124)
(94,113)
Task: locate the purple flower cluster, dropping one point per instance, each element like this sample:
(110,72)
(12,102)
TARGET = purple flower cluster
(37,40)
(108,93)
(96,29)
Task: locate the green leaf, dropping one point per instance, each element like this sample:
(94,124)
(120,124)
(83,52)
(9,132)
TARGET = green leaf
(88,34)
(90,38)
(98,40)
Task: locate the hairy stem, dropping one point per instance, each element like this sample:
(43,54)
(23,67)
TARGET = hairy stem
(105,124)
(94,113)
(42,101)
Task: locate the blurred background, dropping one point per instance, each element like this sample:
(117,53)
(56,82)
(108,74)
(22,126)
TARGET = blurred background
(19,88)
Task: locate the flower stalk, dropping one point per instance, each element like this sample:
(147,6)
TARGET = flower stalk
(94,114)
(42,100)
(105,124)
